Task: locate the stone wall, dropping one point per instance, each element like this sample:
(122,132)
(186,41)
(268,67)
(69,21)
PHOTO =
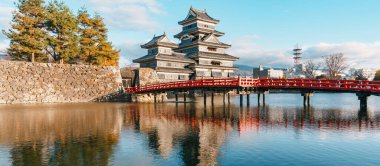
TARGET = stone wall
(26,82)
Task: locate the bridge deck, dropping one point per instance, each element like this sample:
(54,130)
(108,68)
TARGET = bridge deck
(353,86)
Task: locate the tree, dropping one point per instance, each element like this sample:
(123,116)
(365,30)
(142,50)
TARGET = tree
(94,47)
(27,34)
(63,27)
(377,75)
(335,64)
(359,75)
(311,69)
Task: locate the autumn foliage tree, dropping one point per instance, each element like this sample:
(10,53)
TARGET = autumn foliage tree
(27,34)
(94,47)
(62,26)
(377,76)
(53,33)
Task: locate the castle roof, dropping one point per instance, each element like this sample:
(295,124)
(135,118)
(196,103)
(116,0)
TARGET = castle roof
(161,40)
(213,56)
(195,14)
(198,30)
(176,57)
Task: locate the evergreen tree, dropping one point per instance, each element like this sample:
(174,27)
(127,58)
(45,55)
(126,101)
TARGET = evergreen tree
(27,35)
(88,37)
(94,47)
(106,55)
(63,27)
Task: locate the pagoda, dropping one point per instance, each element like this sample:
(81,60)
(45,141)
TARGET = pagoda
(168,64)
(199,41)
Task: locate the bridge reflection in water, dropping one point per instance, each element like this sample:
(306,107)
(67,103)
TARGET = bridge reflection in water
(91,134)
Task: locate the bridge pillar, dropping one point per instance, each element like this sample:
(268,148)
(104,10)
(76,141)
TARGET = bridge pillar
(224,99)
(155,97)
(212,100)
(247,99)
(263,98)
(176,97)
(306,98)
(241,99)
(184,98)
(363,97)
(228,98)
(204,98)
(258,98)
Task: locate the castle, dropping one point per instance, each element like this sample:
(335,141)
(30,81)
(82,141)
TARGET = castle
(199,54)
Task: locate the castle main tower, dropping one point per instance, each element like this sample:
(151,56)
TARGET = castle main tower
(199,41)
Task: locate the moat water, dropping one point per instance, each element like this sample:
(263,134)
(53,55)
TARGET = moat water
(331,132)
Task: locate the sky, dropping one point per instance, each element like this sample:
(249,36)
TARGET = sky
(260,31)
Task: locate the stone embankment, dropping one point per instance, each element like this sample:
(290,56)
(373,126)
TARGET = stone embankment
(26,82)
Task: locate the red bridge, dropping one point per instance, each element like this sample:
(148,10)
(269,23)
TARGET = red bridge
(363,89)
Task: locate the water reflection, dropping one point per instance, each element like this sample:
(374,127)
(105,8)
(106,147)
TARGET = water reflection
(90,134)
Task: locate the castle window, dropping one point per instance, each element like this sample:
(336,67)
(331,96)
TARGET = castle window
(161,76)
(215,63)
(211,49)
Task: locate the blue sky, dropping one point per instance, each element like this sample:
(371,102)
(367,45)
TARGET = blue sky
(260,31)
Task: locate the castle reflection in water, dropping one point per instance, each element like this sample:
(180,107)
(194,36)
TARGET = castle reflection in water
(88,134)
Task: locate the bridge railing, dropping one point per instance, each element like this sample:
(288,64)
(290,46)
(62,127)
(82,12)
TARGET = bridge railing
(227,82)
(311,84)
(353,85)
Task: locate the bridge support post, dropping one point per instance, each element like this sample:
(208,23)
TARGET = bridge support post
(241,99)
(258,98)
(363,97)
(306,98)
(224,99)
(204,98)
(212,100)
(155,97)
(228,98)
(184,98)
(263,98)
(247,99)
(176,97)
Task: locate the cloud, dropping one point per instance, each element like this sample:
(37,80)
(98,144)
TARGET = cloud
(130,50)
(359,55)
(253,55)
(133,15)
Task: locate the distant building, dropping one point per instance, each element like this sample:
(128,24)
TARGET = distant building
(268,72)
(200,54)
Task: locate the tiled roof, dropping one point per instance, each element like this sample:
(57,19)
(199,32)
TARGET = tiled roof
(159,40)
(199,14)
(202,14)
(214,55)
(197,29)
(173,57)
(212,67)
(174,70)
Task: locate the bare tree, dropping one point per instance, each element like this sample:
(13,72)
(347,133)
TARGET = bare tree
(311,69)
(359,75)
(335,64)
